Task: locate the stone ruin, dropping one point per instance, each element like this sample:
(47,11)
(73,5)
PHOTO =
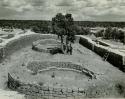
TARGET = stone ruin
(47,46)
(17,78)
(21,78)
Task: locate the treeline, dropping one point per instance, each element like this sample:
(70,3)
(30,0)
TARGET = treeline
(42,26)
(35,25)
(23,23)
(31,23)
(112,33)
(38,26)
(100,24)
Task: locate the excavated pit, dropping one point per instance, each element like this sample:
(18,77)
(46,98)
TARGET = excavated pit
(49,74)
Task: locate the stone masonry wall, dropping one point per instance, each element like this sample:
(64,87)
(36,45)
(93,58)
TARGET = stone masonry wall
(114,58)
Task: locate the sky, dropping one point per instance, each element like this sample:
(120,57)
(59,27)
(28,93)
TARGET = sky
(82,10)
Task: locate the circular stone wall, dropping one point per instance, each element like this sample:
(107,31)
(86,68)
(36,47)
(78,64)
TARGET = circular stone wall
(47,45)
(43,76)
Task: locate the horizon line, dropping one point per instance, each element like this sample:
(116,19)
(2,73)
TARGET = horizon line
(50,20)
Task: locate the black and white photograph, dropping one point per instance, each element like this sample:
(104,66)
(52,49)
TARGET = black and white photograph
(62,49)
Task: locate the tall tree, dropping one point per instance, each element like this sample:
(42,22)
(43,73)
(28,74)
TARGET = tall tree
(63,26)
(69,27)
(58,25)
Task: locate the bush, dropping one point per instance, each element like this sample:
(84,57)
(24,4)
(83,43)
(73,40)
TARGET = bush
(100,33)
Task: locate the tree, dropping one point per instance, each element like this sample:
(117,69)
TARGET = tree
(108,33)
(58,25)
(100,33)
(121,36)
(115,33)
(63,26)
(69,27)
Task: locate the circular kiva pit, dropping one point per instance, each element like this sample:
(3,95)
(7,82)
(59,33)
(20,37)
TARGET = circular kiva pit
(47,46)
(38,77)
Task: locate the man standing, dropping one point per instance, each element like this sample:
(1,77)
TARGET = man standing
(70,49)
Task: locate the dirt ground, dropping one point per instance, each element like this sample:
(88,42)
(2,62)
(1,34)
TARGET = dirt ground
(105,72)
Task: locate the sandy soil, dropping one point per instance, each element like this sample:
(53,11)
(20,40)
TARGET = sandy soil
(105,72)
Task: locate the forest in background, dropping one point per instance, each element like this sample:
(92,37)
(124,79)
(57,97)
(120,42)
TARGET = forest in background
(80,27)
(43,23)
